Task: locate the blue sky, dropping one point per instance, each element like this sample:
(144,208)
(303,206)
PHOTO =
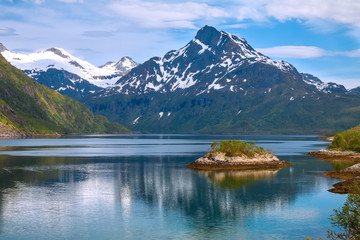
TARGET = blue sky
(321,37)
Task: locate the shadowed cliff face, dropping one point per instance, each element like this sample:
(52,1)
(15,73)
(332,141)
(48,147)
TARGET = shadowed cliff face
(2,48)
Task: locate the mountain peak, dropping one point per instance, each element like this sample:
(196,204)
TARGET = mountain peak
(220,40)
(207,29)
(58,51)
(207,34)
(2,48)
(126,58)
(125,64)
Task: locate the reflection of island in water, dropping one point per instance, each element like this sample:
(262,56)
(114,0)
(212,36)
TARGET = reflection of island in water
(341,164)
(240,193)
(238,178)
(159,183)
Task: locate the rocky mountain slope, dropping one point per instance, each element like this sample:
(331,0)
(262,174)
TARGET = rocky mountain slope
(28,108)
(217,83)
(59,70)
(322,86)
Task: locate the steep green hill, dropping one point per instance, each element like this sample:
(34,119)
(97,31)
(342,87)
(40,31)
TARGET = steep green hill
(348,140)
(28,108)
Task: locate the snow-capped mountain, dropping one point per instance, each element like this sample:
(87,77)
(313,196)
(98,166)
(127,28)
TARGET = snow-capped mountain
(211,61)
(217,83)
(59,70)
(355,90)
(123,66)
(329,87)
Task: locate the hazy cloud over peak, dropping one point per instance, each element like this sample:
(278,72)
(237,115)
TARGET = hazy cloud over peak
(305,52)
(164,14)
(99,33)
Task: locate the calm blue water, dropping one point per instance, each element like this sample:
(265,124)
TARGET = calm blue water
(137,187)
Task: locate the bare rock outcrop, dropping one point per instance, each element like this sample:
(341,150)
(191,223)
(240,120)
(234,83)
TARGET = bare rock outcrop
(219,161)
(327,154)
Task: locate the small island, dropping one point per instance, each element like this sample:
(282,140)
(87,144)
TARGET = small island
(344,147)
(235,154)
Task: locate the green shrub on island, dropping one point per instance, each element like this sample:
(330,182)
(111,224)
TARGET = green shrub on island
(234,148)
(346,141)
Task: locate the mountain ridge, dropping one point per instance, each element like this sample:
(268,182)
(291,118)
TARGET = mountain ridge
(28,108)
(61,71)
(218,83)
(167,74)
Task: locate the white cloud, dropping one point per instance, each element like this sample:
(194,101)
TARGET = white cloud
(354,53)
(240,25)
(294,51)
(39,1)
(164,14)
(98,34)
(322,16)
(339,11)
(305,52)
(249,10)
(70,1)
(65,1)
(7,32)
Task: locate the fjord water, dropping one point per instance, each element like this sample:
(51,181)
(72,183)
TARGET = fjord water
(138,187)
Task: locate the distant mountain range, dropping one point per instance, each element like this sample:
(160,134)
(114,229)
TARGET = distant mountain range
(28,108)
(71,76)
(217,83)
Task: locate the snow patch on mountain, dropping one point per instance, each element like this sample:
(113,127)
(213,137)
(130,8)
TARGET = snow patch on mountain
(123,66)
(207,63)
(326,87)
(204,47)
(57,58)
(136,120)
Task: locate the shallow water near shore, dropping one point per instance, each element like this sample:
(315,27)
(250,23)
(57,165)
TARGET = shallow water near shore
(138,187)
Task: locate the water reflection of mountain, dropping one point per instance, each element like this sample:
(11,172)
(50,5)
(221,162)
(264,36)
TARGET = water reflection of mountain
(39,170)
(178,188)
(173,187)
(165,185)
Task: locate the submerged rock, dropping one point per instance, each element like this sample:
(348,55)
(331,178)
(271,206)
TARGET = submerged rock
(219,161)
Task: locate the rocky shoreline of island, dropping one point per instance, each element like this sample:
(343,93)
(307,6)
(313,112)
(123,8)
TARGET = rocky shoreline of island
(219,161)
(350,174)
(327,154)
